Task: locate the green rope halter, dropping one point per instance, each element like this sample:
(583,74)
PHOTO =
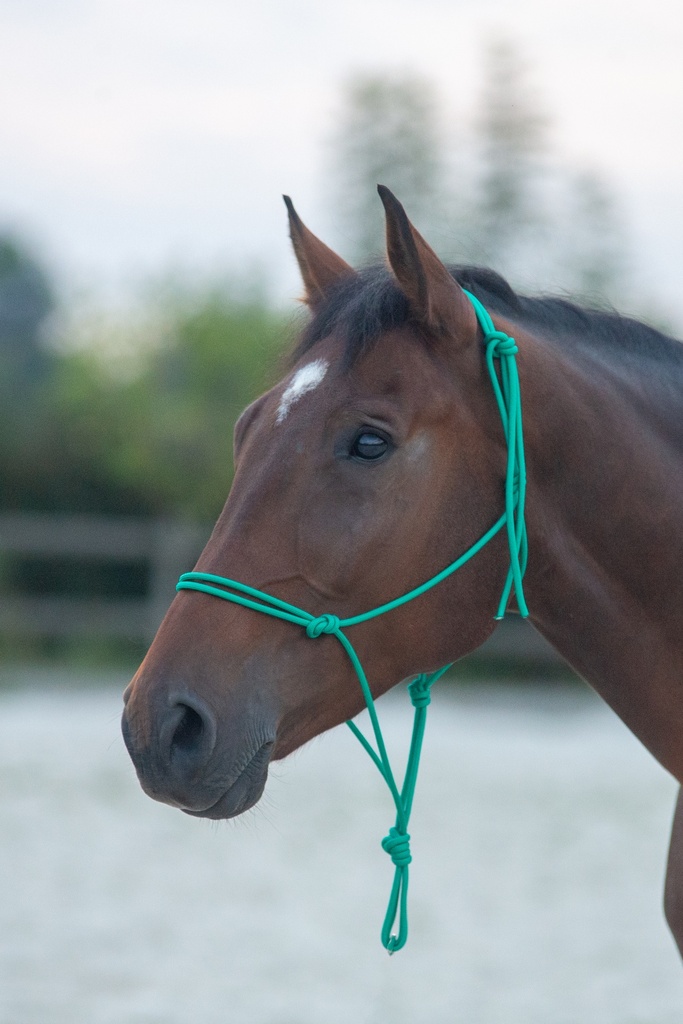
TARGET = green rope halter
(397,843)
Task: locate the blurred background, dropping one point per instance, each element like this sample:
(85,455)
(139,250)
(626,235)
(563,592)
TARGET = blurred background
(147,294)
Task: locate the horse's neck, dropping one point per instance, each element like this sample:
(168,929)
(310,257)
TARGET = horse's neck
(605,577)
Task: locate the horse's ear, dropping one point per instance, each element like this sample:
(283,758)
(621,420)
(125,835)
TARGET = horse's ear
(436,300)
(320,267)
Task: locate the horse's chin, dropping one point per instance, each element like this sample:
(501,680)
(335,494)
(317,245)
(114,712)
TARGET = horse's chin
(231,804)
(244,792)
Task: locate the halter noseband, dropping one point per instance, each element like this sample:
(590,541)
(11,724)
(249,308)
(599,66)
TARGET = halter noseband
(397,843)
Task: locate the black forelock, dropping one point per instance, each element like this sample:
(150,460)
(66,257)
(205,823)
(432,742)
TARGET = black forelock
(366,305)
(359,309)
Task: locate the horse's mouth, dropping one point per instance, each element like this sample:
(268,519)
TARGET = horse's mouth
(244,792)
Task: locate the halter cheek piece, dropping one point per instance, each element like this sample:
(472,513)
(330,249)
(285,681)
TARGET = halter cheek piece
(397,843)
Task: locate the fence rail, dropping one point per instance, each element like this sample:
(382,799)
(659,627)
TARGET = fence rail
(168,548)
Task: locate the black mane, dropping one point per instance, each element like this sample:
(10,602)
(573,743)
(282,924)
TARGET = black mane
(363,307)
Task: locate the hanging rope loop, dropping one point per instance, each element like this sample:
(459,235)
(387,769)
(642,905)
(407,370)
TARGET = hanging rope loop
(397,845)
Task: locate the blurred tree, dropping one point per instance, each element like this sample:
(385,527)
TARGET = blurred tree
(539,224)
(594,256)
(517,211)
(510,139)
(388,134)
(161,439)
(26,301)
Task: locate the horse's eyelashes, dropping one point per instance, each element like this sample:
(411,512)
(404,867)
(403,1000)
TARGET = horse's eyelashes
(369,446)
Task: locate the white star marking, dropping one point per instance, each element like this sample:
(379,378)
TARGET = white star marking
(305,379)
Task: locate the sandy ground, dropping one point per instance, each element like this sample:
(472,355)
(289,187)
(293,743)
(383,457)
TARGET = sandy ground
(539,840)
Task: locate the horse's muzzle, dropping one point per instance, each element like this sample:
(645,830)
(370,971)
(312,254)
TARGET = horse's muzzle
(245,791)
(181,758)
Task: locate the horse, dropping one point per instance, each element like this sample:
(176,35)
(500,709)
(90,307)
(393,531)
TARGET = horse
(377,460)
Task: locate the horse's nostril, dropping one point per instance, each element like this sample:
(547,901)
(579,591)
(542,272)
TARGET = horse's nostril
(188,733)
(189,730)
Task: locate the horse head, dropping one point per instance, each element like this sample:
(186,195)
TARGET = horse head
(374,463)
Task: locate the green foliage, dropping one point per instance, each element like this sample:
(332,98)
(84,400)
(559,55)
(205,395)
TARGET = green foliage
(162,438)
(25,303)
(26,365)
(152,436)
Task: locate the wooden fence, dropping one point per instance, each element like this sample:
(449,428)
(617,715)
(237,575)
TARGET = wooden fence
(167,548)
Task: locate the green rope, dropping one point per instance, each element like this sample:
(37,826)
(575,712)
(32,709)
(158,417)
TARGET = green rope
(397,843)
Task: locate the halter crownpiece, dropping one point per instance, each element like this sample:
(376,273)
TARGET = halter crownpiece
(498,346)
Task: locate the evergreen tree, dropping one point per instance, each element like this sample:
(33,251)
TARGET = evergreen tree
(388,134)
(25,302)
(510,139)
(594,259)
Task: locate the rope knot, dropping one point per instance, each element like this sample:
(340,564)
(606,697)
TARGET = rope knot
(323,624)
(420,691)
(503,344)
(397,845)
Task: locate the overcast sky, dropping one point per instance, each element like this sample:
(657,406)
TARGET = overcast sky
(138,134)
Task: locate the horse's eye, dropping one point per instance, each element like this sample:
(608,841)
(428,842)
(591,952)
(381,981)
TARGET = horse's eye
(369,446)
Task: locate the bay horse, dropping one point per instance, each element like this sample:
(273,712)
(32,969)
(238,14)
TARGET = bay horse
(377,461)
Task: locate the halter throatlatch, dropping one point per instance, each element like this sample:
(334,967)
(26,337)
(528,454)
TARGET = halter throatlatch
(396,844)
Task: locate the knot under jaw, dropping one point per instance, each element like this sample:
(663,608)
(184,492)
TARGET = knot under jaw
(323,624)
